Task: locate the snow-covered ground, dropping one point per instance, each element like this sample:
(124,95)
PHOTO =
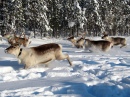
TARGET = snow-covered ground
(95,74)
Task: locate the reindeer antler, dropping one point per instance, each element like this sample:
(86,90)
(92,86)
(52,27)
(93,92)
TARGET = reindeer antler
(105,33)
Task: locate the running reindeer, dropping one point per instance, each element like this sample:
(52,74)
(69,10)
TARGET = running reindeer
(34,56)
(115,40)
(14,39)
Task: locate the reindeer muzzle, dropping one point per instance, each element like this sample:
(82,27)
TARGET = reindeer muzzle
(5,50)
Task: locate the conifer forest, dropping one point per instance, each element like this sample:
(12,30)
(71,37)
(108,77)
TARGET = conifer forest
(62,18)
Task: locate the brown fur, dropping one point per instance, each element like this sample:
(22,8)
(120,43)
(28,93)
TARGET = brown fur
(80,39)
(33,56)
(46,48)
(72,37)
(115,40)
(13,39)
(99,44)
(21,41)
(10,38)
(77,43)
(80,42)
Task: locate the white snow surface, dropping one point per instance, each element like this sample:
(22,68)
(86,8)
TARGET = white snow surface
(95,74)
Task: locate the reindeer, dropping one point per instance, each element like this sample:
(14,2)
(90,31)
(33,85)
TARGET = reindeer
(72,40)
(77,43)
(115,40)
(10,38)
(42,54)
(80,42)
(101,45)
(14,39)
(22,41)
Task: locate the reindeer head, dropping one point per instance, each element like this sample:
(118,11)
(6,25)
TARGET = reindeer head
(7,35)
(13,49)
(83,35)
(72,39)
(105,36)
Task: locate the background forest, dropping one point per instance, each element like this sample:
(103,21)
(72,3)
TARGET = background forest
(65,17)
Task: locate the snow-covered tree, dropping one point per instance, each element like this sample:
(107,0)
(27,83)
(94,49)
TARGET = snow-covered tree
(64,17)
(4,17)
(17,16)
(37,16)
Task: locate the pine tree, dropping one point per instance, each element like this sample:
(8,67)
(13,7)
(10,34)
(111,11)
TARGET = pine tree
(66,17)
(17,15)
(37,16)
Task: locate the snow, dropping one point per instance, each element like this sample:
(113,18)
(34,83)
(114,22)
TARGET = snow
(71,24)
(95,74)
(77,5)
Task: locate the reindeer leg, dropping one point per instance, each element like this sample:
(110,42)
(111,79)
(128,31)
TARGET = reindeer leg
(123,45)
(69,60)
(64,56)
(26,67)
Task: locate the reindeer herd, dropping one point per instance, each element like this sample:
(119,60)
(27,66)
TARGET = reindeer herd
(44,54)
(104,44)
(14,39)
(33,56)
